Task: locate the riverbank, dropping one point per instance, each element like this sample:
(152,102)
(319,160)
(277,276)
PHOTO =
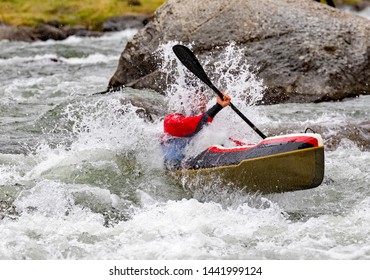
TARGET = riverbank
(87,13)
(43,20)
(56,30)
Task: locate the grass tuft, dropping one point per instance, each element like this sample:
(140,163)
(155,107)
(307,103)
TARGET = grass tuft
(90,13)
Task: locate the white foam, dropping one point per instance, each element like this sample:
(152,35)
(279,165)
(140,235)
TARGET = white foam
(95,187)
(90,59)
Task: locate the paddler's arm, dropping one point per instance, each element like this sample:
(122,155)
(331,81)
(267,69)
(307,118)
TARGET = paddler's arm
(212,112)
(225,101)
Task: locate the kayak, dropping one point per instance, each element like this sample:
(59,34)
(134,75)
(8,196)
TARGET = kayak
(276,164)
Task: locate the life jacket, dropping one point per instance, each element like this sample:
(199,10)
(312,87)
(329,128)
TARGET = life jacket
(180,126)
(178,131)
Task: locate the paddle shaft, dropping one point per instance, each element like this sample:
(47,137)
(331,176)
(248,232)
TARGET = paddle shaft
(236,110)
(187,57)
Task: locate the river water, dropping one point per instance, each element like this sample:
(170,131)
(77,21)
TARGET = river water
(81,175)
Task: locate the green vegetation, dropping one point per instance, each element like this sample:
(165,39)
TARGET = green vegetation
(348,1)
(90,13)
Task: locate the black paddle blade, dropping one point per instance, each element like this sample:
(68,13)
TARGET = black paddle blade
(189,60)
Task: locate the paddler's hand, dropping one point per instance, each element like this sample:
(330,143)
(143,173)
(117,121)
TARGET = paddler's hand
(226,101)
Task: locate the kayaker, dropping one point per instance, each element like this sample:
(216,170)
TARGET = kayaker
(179,129)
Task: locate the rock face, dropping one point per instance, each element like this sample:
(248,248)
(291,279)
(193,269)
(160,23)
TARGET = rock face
(304,51)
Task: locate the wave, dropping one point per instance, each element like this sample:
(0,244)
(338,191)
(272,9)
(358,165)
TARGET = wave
(76,40)
(54,58)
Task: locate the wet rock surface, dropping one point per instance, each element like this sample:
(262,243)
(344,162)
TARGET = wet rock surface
(304,51)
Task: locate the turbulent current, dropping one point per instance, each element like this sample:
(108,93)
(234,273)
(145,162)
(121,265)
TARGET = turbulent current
(82,177)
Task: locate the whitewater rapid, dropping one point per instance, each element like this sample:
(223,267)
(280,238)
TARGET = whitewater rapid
(81,175)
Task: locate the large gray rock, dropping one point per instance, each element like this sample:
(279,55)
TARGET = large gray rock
(304,51)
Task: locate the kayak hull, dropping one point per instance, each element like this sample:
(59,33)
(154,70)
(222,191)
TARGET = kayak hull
(298,169)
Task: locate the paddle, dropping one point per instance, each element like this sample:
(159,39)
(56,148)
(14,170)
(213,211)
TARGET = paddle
(187,57)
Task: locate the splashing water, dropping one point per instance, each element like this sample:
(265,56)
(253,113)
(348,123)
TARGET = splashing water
(81,175)
(230,73)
